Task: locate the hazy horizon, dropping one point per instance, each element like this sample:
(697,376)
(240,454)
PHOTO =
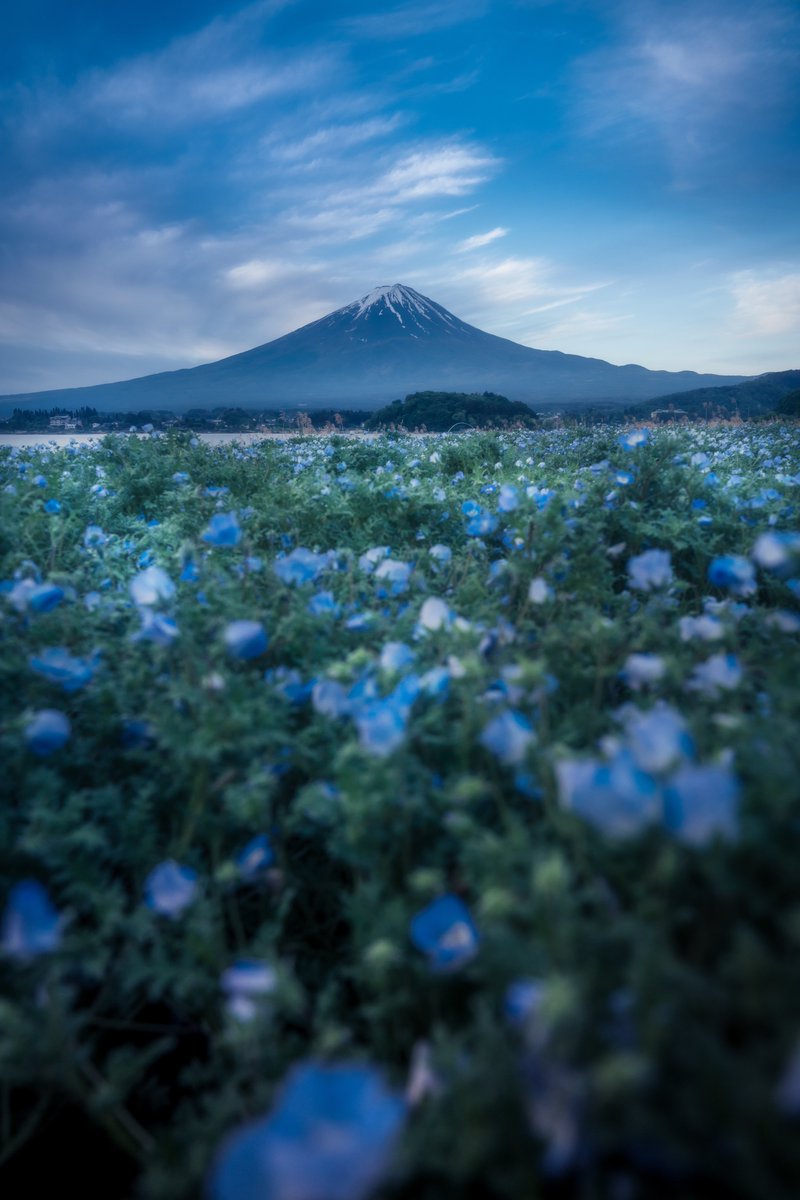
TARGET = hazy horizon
(613,180)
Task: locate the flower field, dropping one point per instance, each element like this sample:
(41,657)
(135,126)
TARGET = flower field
(415,817)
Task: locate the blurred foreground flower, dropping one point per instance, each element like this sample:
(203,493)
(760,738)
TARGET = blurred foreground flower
(151,586)
(47,731)
(330,1136)
(31,926)
(650,570)
(245,639)
(508,736)
(223,530)
(58,665)
(244,984)
(445,932)
(169,888)
(301,566)
(734,572)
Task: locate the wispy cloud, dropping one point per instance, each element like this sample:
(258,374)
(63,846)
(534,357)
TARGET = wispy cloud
(481,239)
(767,303)
(413,20)
(691,78)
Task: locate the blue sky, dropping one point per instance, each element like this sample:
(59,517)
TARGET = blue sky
(182,181)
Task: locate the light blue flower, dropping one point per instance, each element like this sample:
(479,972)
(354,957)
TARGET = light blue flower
(508,499)
(245,983)
(47,731)
(650,570)
(58,665)
(93,537)
(323,604)
(706,627)
(435,682)
(45,596)
(446,933)
(734,572)
(777,552)
(700,803)
(395,656)
(434,614)
(255,857)
(156,627)
(442,554)
(616,797)
(482,525)
(151,586)
(31,925)
(223,530)
(471,508)
(508,736)
(381,727)
(330,1136)
(52,507)
(634,438)
(301,566)
(521,1000)
(642,670)
(658,738)
(330,699)
(395,573)
(170,888)
(245,639)
(720,673)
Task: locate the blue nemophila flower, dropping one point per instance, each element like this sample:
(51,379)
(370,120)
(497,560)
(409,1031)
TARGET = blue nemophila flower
(539,591)
(706,627)
(634,438)
(39,481)
(190,573)
(721,672)
(442,554)
(215,491)
(370,558)
(434,614)
(45,596)
(245,639)
(623,478)
(244,984)
(330,1136)
(471,508)
(300,566)
(701,803)
(508,499)
(151,586)
(658,738)
(47,731)
(521,1000)
(381,727)
(31,925)
(330,698)
(94,537)
(156,627)
(482,525)
(52,507)
(778,552)
(255,857)
(435,682)
(180,477)
(734,572)
(145,559)
(395,573)
(508,736)
(323,604)
(58,665)
(169,888)
(289,683)
(616,797)
(641,670)
(650,570)
(223,530)
(395,656)
(446,933)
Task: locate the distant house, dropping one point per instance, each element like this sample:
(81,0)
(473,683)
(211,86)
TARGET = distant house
(64,421)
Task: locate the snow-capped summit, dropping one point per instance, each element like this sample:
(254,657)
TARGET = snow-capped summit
(391,342)
(412,310)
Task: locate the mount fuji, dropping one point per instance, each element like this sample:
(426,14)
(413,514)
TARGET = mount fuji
(390,342)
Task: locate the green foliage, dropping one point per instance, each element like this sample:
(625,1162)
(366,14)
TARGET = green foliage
(439,411)
(670,973)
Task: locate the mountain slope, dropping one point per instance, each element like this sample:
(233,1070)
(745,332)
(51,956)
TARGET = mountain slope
(748,399)
(391,342)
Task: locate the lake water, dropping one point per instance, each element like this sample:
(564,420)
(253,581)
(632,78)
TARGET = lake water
(57,440)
